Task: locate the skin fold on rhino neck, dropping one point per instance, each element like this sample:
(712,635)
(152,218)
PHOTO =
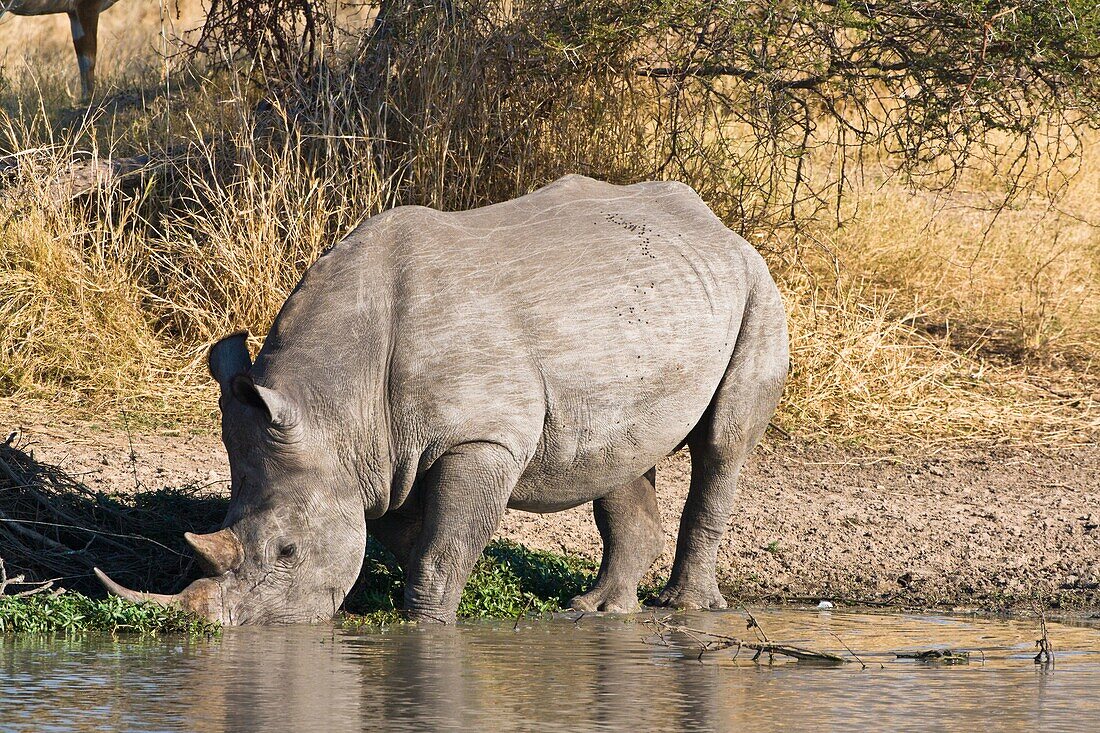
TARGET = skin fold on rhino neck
(352,429)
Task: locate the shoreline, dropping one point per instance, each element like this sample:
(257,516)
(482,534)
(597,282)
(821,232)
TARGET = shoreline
(970,529)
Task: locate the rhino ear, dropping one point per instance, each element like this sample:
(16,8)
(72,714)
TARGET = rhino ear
(228,358)
(279,410)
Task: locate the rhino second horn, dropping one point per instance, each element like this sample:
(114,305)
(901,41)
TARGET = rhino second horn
(218,552)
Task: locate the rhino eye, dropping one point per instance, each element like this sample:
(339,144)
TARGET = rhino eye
(287,551)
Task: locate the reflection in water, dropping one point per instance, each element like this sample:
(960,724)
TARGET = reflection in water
(552,675)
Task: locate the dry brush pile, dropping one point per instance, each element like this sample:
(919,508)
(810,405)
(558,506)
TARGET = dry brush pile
(911,192)
(54,529)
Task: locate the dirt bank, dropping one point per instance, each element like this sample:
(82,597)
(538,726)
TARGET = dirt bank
(971,528)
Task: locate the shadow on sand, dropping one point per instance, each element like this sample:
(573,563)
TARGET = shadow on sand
(54,527)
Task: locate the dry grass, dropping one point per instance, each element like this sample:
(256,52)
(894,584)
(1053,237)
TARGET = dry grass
(948,316)
(923,318)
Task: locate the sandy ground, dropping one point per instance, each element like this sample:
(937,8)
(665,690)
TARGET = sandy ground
(968,529)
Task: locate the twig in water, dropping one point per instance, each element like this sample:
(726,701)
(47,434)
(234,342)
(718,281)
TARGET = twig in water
(754,624)
(856,656)
(1046,649)
(521,614)
(710,641)
(940,656)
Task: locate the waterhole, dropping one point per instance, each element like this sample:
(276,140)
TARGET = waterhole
(594,673)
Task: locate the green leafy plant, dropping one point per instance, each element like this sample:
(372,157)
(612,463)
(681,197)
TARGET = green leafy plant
(74,612)
(508,581)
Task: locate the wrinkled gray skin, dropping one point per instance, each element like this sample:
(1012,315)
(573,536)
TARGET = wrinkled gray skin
(434,368)
(83,21)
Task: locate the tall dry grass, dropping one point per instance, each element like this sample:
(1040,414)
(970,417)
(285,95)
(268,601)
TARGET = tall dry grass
(921,318)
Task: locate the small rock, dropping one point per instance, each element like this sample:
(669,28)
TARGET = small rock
(825,605)
(937,470)
(1091,576)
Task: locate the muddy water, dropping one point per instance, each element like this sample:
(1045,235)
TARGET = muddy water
(598,674)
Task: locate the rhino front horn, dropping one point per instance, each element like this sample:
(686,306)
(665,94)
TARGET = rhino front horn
(131,595)
(217,552)
(201,597)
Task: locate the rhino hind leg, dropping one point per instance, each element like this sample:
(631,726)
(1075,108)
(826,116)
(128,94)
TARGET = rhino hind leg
(730,428)
(630,526)
(693,581)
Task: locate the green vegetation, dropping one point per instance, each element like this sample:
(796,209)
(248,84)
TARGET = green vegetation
(508,581)
(75,612)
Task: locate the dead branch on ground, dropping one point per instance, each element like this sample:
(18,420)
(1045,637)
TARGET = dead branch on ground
(54,528)
(6,582)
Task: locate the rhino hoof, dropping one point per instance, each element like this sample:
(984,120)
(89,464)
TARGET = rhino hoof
(709,599)
(609,600)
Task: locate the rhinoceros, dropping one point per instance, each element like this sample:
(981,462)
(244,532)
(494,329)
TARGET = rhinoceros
(435,368)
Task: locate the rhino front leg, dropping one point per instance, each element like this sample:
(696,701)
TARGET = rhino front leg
(630,526)
(464,495)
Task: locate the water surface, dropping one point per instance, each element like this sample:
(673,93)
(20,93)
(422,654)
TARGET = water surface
(595,674)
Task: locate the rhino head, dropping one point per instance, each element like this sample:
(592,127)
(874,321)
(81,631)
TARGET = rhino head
(293,542)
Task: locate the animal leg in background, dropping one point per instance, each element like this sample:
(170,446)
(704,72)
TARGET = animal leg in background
(85,26)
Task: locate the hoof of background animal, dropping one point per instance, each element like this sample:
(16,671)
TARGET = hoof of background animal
(691,599)
(606,600)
